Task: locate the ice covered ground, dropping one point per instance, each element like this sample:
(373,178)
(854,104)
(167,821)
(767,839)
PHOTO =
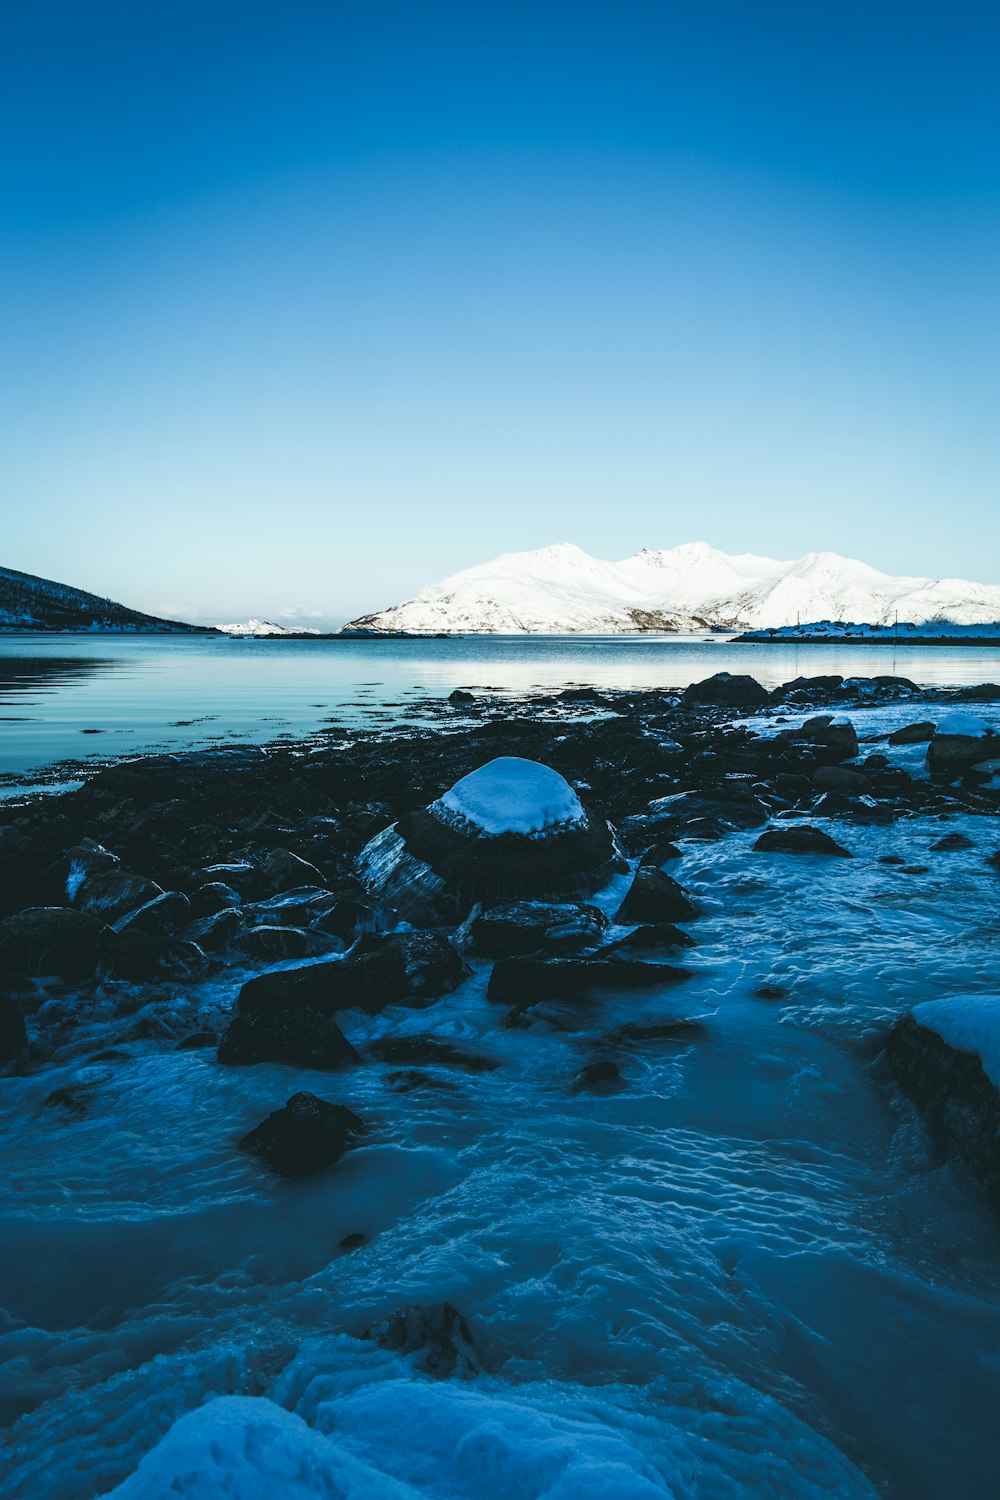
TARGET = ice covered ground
(745,1274)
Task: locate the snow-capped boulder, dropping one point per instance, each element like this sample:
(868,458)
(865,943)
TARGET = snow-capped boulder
(511,830)
(945,1055)
(960,740)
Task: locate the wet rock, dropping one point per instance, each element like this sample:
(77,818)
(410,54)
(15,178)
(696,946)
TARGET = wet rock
(196,1041)
(603,1077)
(993,860)
(13,1035)
(303,1037)
(951,842)
(655,897)
(219,931)
(352,1242)
(50,940)
(163,916)
(511,830)
(650,936)
(436,1336)
(800,838)
(960,741)
(295,908)
(953,1091)
(85,859)
(516,927)
(429,1051)
(672,1030)
(413,1080)
(305,1136)
(270,943)
(347,918)
(804,689)
(891,859)
(283,871)
(835,736)
(527,981)
(239,875)
(112,893)
(770,992)
(913,734)
(914,869)
(661,853)
(460,696)
(841,779)
(727,690)
(213,897)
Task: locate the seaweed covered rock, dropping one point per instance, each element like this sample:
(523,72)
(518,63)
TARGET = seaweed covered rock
(945,1055)
(304,1136)
(511,830)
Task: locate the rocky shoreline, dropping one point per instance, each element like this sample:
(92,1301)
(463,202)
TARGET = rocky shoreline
(163,871)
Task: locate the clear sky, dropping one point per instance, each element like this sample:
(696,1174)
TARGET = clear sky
(305,304)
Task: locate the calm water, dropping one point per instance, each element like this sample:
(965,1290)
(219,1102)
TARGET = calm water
(76,697)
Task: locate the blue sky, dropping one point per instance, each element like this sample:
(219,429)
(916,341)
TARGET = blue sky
(303,305)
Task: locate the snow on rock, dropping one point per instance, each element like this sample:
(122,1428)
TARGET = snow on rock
(692,587)
(967,725)
(247,1448)
(969,1023)
(511,795)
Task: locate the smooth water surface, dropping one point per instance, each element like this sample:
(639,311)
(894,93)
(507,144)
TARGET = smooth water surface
(74,697)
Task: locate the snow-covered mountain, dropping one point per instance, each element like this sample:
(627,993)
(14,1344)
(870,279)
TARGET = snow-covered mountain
(265,627)
(561,589)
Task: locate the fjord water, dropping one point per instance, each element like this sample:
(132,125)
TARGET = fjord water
(80,697)
(745,1275)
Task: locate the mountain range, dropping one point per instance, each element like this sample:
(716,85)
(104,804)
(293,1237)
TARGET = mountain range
(693,587)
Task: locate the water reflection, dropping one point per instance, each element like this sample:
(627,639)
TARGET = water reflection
(27,674)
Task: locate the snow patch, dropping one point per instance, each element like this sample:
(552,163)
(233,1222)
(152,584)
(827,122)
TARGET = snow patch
(967,725)
(969,1023)
(511,795)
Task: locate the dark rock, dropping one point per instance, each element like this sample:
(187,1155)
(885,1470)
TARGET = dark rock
(994,860)
(300,1036)
(295,908)
(661,853)
(837,737)
(352,1242)
(953,1092)
(651,935)
(914,869)
(603,1077)
(305,1136)
(219,931)
(516,927)
(654,897)
(283,871)
(161,917)
(770,992)
(215,896)
(913,734)
(891,859)
(950,842)
(112,893)
(460,696)
(196,1040)
(806,688)
(270,943)
(348,917)
(13,1035)
(437,1336)
(527,981)
(50,940)
(799,838)
(727,690)
(429,1051)
(673,1030)
(412,1080)
(841,779)
(952,751)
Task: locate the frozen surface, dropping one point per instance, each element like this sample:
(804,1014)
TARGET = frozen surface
(969,1023)
(744,1275)
(512,795)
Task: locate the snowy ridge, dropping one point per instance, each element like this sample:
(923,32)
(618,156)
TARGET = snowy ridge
(561,589)
(265,627)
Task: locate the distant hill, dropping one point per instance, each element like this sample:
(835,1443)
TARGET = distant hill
(688,588)
(30,603)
